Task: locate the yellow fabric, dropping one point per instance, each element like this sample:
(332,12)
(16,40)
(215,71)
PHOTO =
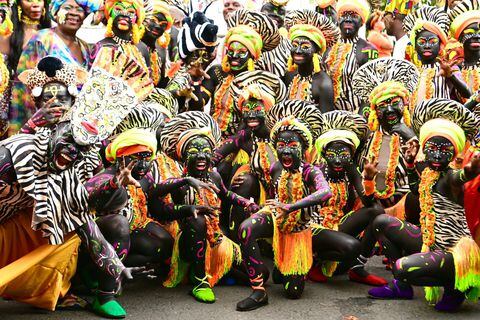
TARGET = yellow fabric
(247,36)
(400,6)
(443,128)
(33,271)
(387,90)
(163,8)
(462,21)
(361,7)
(137,4)
(130,138)
(325,3)
(310,32)
(345,136)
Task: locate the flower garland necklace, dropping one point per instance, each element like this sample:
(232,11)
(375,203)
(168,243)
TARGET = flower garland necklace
(301,88)
(139,207)
(290,190)
(472,77)
(336,59)
(427,215)
(166,163)
(155,66)
(333,212)
(393,161)
(264,160)
(214,234)
(223,112)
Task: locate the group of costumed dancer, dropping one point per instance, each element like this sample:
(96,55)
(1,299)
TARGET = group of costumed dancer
(167,150)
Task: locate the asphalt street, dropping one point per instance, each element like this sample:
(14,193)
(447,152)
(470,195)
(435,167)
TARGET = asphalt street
(338,299)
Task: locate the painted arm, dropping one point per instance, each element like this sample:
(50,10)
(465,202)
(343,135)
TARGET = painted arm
(314,177)
(105,193)
(233,198)
(469,172)
(356,180)
(229,146)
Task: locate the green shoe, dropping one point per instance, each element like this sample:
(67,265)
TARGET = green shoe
(202,292)
(111,309)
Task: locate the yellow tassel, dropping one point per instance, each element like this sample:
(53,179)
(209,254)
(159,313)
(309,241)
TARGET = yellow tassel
(19,10)
(316,63)
(406,116)
(293,251)
(329,267)
(290,65)
(109,31)
(137,33)
(466,256)
(178,268)
(220,258)
(6,28)
(373,120)
(432,294)
(164,40)
(225,64)
(250,65)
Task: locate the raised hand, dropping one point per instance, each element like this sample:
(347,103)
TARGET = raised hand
(282,209)
(198,185)
(252,207)
(370,170)
(448,67)
(124,174)
(47,116)
(204,210)
(410,151)
(237,181)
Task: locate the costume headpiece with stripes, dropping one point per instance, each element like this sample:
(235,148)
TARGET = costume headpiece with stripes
(298,116)
(186,127)
(382,79)
(264,32)
(463,14)
(165,101)
(115,85)
(314,26)
(343,126)
(428,18)
(446,118)
(360,7)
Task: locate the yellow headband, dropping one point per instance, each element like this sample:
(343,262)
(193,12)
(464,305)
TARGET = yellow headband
(345,136)
(247,36)
(443,128)
(361,7)
(429,26)
(310,32)
(130,138)
(462,21)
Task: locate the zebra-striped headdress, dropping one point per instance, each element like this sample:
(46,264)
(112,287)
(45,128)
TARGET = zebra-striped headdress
(261,23)
(294,115)
(184,128)
(428,18)
(462,15)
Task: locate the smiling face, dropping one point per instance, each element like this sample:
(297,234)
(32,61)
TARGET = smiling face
(289,150)
(62,149)
(277,14)
(350,22)
(143,165)
(33,9)
(302,50)
(427,45)
(337,155)
(124,16)
(229,7)
(253,112)
(155,26)
(390,112)
(70,16)
(57,91)
(470,37)
(439,152)
(238,56)
(198,157)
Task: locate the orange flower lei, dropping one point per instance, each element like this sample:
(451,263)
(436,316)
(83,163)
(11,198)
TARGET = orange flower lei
(223,113)
(139,207)
(333,212)
(429,83)
(264,161)
(290,190)
(427,216)
(155,67)
(472,78)
(392,163)
(336,61)
(213,224)
(304,85)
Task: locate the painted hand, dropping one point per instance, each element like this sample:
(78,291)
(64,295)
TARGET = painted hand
(281,208)
(124,174)
(370,168)
(411,150)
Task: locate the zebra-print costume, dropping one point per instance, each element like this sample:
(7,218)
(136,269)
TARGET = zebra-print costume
(440,87)
(276,60)
(450,222)
(348,100)
(60,200)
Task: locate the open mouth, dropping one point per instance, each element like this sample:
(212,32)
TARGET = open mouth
(234,62)
(436,164)
(123,23)
(475,44)
(391,118)
(201,165)
(62,161)
(73,20)
(287,161)
(348,26)
(253,123)
(337,169)
(427,53)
